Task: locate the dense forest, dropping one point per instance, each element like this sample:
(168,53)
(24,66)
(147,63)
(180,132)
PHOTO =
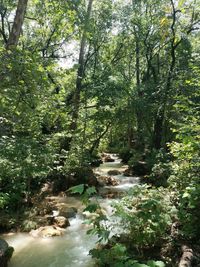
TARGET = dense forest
(82,78)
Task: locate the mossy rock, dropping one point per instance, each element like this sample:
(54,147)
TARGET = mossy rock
(5,253)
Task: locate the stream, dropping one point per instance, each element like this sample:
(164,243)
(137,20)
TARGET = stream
(71,249)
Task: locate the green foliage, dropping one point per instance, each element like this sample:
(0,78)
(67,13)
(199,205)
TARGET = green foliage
(160,165)
(29,225)
(125,154)
(186,165)
(77,189)
(24,162)
(118,256)
(146,216)
(140,78)
(142,220)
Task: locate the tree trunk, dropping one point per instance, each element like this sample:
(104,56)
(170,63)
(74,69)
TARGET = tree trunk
(81,70)
(97,141)
(17,25)
(138,83)
(187,257)
(158,130)
(159,121)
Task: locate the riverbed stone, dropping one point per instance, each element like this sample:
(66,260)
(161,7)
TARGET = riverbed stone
(128,172)
(5,253)
(68,213)
(114,172)
(61,221)
(107,158)
(107,180)
(47,231)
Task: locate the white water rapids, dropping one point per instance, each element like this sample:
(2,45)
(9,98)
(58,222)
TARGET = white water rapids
(71,249)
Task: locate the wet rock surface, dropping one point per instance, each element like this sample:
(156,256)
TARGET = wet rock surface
(107,158)
(128,172)
(107,180)
(61,221)
(5,253)
(47,231)
(114,172)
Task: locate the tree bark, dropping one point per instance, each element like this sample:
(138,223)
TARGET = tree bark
(139,92)
(159,121)
(17,25)
(97,141)
(187,257)
(81,70)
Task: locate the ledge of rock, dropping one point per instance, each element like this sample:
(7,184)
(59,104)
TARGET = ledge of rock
(68,213)
(114,172)
(128,172)
(47,231)
(61,221)
(107,158)
(5,253)
(107,180)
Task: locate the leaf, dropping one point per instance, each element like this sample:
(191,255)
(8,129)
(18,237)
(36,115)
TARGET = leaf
(186,195)
(180,3)
(91,207)
(77,189)
(140,265)
(156,263)
(91,190)
(88,222)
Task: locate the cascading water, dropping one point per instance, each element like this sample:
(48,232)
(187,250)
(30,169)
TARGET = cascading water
(71,249)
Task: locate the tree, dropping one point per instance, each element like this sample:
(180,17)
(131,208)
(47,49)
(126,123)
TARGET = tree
(17,25)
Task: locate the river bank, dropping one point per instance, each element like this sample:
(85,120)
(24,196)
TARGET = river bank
(72,248)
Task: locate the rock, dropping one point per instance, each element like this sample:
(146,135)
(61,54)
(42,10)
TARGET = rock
(43,208)
(114,172)
(107,180)
(47,231)
(5,253)
(83,175)
(96,162)
(108,158)
(62,194)
(61,221)
(29,225)
(46,189)
(68,213)
(128,173)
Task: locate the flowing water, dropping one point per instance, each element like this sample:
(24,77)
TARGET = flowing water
(71,249)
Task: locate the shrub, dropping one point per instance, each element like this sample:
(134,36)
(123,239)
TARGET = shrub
(146,216)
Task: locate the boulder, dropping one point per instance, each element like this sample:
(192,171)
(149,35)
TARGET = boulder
(114,172)
(5,253)
(47,231)
(107,180)
(68,212)
(61,221)
(108,158)
(96,162)
(82,175)
(128,173)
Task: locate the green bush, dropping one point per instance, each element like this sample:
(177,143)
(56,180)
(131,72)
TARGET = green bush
(118,256)
(146,216)
(24,162)
(125,154)
(161,168)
